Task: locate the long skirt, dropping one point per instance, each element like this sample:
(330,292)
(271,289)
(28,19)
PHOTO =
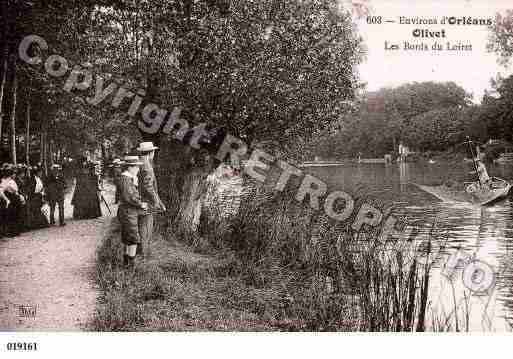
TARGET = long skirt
(12,216)
(87,206)
(37,219)
(3,211)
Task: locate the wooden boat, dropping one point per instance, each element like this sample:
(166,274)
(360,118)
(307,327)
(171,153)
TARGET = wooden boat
(484,191)
(472,194)
(445,193)
(495,190)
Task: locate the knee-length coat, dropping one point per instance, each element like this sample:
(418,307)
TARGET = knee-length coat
(130,206)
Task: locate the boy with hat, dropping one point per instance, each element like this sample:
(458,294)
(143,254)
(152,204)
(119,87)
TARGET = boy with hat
(149,193)
(130,207)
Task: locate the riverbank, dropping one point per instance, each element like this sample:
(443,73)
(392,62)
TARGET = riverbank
(176,288)
(274,265)
(424,157)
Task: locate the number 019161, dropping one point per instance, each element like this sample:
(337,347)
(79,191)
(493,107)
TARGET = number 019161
(22,346)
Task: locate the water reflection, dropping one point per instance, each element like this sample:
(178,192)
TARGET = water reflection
(483,233)
(404,174)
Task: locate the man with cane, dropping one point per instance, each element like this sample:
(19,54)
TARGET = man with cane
(149,193)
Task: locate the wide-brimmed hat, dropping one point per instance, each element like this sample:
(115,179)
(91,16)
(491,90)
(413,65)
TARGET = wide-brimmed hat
(7,171)
(146,147)
(116,163)
(131,161)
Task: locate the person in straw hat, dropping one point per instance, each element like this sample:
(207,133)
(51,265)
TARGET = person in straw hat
(130,206)
(149,193)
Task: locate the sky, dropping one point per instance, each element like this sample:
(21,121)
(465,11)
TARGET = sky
(471,70)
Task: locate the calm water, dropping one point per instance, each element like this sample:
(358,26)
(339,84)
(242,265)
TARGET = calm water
(485,232)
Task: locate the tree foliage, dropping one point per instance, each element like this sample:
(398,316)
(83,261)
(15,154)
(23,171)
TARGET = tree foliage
(421,115)
(501,36)
(267,70)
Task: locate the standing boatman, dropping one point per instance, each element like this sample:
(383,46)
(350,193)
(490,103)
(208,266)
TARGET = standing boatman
(149,193)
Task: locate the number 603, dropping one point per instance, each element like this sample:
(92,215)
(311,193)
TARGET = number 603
(374,19)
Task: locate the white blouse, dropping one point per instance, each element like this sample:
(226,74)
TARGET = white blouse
(39,185)
(9,185)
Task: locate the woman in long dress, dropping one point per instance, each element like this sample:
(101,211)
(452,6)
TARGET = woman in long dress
(35,192)
(86,201)
(4,204)
(13,208)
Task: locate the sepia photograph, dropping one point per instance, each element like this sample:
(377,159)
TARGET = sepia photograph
(240,167)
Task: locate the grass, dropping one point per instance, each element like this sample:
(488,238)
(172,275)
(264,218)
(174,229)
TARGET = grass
(276,265)
(178,289)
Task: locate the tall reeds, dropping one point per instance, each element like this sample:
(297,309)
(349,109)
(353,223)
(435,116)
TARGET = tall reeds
(307,271)
(346,272)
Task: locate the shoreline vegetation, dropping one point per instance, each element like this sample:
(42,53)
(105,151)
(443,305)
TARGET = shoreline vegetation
(274,265)
(491,153)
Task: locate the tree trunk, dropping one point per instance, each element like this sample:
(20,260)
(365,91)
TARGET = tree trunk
(27,134)
(2,86)
(49,161)
(13,118)
(45,152)
(5,67)
(41,146)
(183,186)
(152,80)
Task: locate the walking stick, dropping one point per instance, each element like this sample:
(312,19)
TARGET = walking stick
(106,205)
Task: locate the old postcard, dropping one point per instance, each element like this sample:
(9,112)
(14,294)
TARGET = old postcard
(254,166)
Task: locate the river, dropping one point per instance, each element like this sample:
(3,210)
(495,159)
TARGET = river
(484,234)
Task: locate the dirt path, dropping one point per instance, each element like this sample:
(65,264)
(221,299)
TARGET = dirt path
(51,270)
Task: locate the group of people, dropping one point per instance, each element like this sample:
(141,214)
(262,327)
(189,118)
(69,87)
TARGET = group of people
(137,193)
(23,190)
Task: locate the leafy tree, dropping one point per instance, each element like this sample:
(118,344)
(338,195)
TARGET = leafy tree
(270,71)
(422,115)
(501,36)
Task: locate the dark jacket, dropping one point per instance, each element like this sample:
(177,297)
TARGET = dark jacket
(30,186)
(55,186)
(116,176)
